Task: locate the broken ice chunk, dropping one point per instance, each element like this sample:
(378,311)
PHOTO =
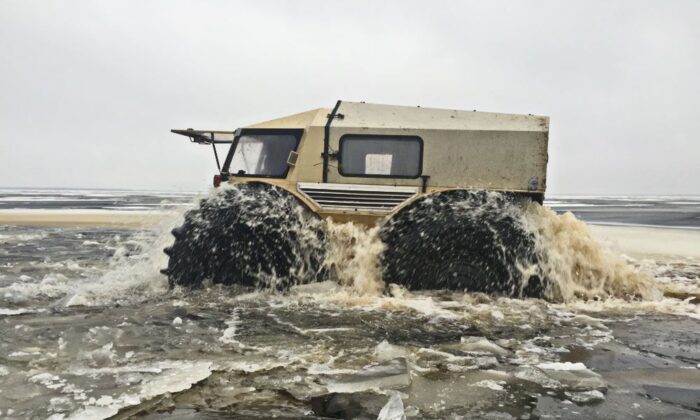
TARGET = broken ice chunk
(586,396)
(481,345)
(573,375)
(393,410)
(392,374)
(385,351)
(532,374)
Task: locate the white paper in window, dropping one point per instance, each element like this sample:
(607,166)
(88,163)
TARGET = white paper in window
(376,164)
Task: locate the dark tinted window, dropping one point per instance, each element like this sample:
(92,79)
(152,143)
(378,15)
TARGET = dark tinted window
(381,156)
(262,154)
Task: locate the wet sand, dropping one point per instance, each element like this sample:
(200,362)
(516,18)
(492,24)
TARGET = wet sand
(645,241)
(84,218)
(638,241)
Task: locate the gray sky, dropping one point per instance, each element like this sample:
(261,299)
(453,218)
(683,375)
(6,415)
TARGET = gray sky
(90,89)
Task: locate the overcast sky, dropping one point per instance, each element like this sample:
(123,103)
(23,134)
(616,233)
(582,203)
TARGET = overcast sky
(90,89)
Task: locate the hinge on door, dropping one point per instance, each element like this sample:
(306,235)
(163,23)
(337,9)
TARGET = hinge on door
(331,155)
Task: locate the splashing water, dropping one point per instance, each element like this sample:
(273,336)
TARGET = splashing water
(575,265)
(578,265)
(354,257)
(132,276)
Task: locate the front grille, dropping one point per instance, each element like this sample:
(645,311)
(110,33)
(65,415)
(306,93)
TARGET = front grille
(356,197)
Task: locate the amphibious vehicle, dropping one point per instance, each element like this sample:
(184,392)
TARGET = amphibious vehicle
(446,187)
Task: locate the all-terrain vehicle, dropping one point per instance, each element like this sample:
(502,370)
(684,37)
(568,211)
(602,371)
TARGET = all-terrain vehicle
(446,187)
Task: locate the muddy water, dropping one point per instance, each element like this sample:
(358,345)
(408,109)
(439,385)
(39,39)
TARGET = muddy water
(89,329)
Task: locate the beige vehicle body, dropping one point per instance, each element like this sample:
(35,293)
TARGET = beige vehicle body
(363,162)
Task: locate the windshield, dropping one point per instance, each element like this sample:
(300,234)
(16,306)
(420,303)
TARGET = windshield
(262,154)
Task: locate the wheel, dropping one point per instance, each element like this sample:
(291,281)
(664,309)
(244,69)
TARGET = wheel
(460,240)
(251,234)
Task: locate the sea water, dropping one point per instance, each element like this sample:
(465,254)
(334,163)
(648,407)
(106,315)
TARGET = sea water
(90,329)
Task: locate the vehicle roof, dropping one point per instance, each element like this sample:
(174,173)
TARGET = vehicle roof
(314,117)
(365,115)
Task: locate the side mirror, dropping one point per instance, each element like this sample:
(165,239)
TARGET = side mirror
(292,158)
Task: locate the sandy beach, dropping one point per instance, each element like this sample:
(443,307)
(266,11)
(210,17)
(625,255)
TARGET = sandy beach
(636,241)
(644,242)
(80,217)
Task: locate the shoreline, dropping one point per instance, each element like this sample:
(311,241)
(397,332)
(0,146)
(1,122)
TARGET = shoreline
(647,241)
(81,218)
(634,240)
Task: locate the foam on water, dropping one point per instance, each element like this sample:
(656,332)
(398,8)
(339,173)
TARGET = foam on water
(6,239)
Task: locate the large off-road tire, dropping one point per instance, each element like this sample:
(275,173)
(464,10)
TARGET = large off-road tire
(252,234)
(461,240)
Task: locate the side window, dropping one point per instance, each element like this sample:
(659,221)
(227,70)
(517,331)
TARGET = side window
(381,156)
